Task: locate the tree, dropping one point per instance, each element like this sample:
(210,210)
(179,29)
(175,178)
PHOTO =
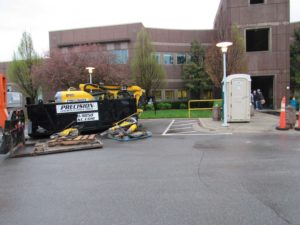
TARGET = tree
(147,72)
(196,79)
(21,68)
(64,70)
(236,61)
(236,53)
(295,60)
(213,65)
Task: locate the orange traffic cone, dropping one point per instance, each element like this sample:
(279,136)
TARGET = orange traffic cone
(282,121)
(298,128)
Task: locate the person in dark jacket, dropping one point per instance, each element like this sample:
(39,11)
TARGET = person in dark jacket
(260,100)
(294,103)
(254,98)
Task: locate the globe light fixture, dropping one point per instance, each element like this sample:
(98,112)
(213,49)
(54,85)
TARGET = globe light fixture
(90,69)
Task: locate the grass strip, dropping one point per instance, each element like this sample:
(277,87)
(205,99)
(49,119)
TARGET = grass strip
(175,113)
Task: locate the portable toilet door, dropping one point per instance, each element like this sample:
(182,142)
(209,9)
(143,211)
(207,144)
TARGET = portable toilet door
(239,97)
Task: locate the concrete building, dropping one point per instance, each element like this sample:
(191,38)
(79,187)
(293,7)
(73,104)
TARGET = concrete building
(264,24)
(171,48)
(267,31)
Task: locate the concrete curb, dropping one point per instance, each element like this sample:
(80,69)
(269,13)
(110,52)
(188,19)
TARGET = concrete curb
(260,123)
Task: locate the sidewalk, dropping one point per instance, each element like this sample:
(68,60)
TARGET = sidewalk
(259,123)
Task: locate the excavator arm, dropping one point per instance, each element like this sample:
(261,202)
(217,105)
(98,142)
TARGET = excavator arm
(114,90)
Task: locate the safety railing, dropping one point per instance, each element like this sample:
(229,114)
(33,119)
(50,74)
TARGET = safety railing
(204,108)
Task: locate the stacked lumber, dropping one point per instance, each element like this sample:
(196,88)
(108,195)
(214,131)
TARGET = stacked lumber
(60,145)
(63,144)
(82,139)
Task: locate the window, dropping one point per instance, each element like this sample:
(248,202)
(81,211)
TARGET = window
(188,58)
(256,1)
(110,47)
(181,58)
(168,59)
(9,87)
(257,40)
(124,45)
(181,94)
(120,56)
(157,95)
(156,56)
(169,95)
(65,50)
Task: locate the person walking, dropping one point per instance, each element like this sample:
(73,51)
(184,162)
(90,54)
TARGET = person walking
(260,100)
(294,103)
(254,98)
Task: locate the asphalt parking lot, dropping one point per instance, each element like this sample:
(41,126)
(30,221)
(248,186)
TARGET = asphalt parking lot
(181,175)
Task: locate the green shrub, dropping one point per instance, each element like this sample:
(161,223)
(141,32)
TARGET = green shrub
(160,105)
(217,103)
(149,107)
(168,106)
(182,106)
(177,105)
(174,104)
(164,105)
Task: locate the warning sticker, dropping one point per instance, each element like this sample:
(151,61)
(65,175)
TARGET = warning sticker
(83,117)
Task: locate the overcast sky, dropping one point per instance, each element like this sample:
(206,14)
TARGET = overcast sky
(38,17)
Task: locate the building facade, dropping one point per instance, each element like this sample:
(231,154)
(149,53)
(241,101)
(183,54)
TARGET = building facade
(266,29)
(171,48)
(264,24)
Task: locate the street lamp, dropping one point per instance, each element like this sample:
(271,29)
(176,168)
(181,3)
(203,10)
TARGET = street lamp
(288,94)
(90,69)
(224,46)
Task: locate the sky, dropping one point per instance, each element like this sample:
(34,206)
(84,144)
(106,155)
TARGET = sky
(38,17)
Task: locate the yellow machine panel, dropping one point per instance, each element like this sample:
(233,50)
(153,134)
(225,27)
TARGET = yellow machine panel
(73,96)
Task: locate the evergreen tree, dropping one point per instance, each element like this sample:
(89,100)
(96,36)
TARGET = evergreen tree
(196,79)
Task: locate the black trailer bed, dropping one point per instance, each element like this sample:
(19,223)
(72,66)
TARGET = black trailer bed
(89,116)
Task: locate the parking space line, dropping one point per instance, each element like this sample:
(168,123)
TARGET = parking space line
(185,121)
(198,134)
(184,124)
(187,132)
(166,130)
(186,128)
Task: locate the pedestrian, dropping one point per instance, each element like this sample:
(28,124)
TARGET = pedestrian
(294,103)
(260,101)
(254,98)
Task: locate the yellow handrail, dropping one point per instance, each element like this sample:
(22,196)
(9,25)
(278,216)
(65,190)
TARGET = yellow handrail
(206,100)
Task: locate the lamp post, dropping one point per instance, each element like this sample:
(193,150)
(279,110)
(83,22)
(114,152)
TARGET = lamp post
(90,69)
(224,46)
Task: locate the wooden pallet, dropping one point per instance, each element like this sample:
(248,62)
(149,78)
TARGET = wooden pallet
(60,145)
(82,139)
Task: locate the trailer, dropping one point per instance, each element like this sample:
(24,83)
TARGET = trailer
(45,119)
(91,108)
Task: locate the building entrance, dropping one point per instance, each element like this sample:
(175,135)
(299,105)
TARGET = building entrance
(265,84)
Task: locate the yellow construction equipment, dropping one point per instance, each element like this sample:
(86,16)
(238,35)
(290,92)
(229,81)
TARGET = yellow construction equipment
(89,92)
